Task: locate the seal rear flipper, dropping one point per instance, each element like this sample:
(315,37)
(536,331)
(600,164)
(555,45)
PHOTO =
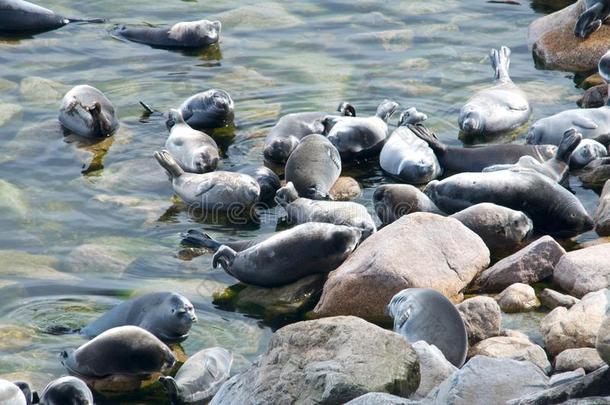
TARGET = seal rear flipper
(569,142)
(171,389)
(500,62)
(167,161)
(225,257)
(386,109)
(423,133)
(195,238)
(589,21)
(149,110)
(411,116)
(347,109)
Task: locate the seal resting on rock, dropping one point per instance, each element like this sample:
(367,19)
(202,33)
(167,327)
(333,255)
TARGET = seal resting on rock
(85,111)
(596,12)
(586,152)
(393,201)
(189,34)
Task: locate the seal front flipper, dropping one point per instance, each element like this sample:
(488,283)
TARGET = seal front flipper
(347,109)
(195,238)
(569,142)
(589,21)
(411,116)
(225,256)
(584,123)
(386,109)
(423,133)
(167,161)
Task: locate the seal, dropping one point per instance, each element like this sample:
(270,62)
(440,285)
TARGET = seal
(290,255)
(189,34)
(25,18)
(200,377)
(66,390)
(195,151)
(30,396)
(169,316)
(207,110)
(196,238)
(407,157)
(458,160)
(500,108)
(219,190)
(359,137)
(85,111)
(313,167)
(393,201)
(592,18)
(425,314)
(586,152)
(125,350)
(10,394)
(267,180)
(303,210)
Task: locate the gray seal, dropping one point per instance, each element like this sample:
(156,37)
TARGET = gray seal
(301,210)
(195,151)
(66,390)
(124,350)
(30,396)
(169,316)
(10,394)
(407,157)
(287,256)
(219,190)
(85,111)
(500,108)
(207,110)
(313,167)
(359,137)
(458,160)
(267,180)
(592,18)
(425,314)
(200,377)
(393,201)
(25,18)
(189,34)
(586,152)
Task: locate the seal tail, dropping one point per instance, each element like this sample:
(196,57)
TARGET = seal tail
(427,136)
(500,61)
(569,142)
(347,109)
(171,389)
(195,238)
(386,109)
(225,257)
(167,161)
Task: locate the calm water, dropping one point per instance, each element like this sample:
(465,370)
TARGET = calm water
(83,227)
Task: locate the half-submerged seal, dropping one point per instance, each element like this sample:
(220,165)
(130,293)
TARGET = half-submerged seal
(10,394)
(189,34)
(66,390)
(85,111)
(207,110)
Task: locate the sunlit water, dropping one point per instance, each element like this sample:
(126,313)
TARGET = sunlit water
(274,58)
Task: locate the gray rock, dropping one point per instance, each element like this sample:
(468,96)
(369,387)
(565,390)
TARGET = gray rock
(602,214)
(434,368)
(482,317)
(518,297)
(602,342)
(380,398)
(583,271)
(572,359)
(553,299)
(8,112)
(576,327)
(418,250)
(326,361)
(512,347)
(13,202)
(529,265)
(259,16)
(485,380)
(596,173)
(562,378)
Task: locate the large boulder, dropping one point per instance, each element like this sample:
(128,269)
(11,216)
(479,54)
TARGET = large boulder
(602,214)
(529,265)
(602,343)
(576,327)
(485,380)
(584,271)
(518,297)
(434,368)
(482,317)
(380,398)
(586,358)
(596,173)
(326,361)
(418,250)
(512,347)
(556,47)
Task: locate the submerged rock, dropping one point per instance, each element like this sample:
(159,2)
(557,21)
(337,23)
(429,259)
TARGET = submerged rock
(482,318)
(583,271)
(518,297)
(8,112)
(260,16)
(38,90)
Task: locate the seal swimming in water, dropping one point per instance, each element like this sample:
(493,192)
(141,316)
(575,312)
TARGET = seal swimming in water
(359,137)
(85,111)
(301,210)
(406,156)
(190,34)
(393,201)
(200,376)
(210,191)
(290,255)
(169,316)
(125,350)
(596,12)
(458,160)
(66,390)
(195,151)
(313,167)
(11,394)
(207,110)
(500,108)
(23,17)
(425,314)
(586,152)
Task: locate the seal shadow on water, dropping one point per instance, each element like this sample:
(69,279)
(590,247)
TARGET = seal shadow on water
(93,150)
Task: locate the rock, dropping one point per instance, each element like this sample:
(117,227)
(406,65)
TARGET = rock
(583,271)
(380,398)
(398,40)
(594,97)
(594,80)
(259,16)
(518,297)
(553,299)
(20,265)
(482,318)
(8,112)
(39,90)
(576,327)
(531,264)
(326,361)
(485,380)
(555,47)
(572,359)
(13,202)
(562,378)
(418,250)
(596,173)
(345,188)
(593,384)
(434,368)
(512,347)
(602,214)
(602,342)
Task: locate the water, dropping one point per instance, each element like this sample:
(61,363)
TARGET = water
(83,227)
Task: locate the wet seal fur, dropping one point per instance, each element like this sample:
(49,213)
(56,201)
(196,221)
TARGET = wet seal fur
(66,390)
(210,109)
(189,34)
(85,111)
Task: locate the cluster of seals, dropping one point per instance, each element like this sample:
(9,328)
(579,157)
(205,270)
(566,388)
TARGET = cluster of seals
(85,111)
(497,109)
(284,137)
(592,18)
(189,34)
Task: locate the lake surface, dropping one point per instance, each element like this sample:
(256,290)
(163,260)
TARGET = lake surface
(83,227)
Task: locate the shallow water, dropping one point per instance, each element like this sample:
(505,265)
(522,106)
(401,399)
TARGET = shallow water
(274,58)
